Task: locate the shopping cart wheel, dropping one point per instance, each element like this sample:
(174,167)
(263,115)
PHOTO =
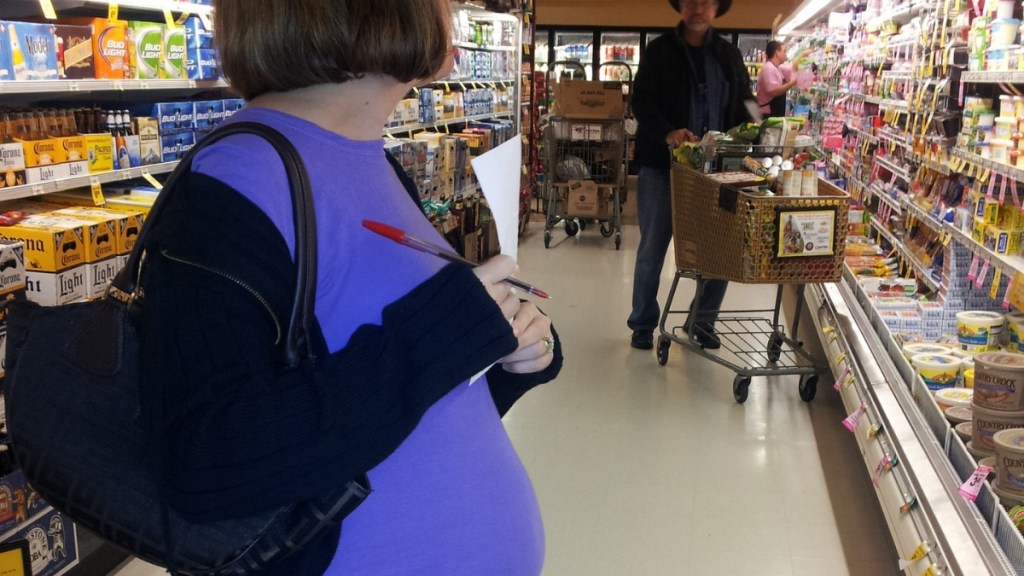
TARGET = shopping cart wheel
(571,227)
(663,344)
(607,229)
(547,238)
(775,347)
(808,387)
(740,387)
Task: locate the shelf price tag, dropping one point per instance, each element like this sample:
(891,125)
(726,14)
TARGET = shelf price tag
(149,178)
(931,570)
(972,486)
(972,272)
(97,191)
(1015,291)
(850,422)
(921,551)
(169,18)
(112,10)
(48,12)
(980,280)
(990,194)
(1002,190)
(993,291)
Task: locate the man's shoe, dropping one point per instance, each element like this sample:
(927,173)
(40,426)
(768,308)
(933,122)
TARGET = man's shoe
(642,339)
(707,337)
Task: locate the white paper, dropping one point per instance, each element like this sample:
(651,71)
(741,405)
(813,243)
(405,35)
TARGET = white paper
(499,171)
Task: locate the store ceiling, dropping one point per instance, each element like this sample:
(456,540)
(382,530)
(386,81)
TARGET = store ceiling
(653,13)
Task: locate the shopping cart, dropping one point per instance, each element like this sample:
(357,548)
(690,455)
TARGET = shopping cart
(585,173)
(723,232)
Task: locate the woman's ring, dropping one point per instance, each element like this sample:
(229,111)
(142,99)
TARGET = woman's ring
(550,342)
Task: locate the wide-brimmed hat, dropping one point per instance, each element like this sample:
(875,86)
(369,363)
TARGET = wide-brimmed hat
(723,6)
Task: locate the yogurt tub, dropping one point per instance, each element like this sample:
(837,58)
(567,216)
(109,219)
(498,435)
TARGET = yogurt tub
(982,149)
(950,397)
(979,331)
(1015,324)
(999,381)
(912,349)
(1004,31)
(965,430)
(1006,498)
(937,370)
(987,422)
(1000,149)
(959,414)
(978,454)
(996,59)
(1005,127)
(1004,8)
(1007,109)
(969,378)
(989,461)
(985,118)
(1010,459)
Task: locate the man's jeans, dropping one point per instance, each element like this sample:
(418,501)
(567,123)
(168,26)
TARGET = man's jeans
(654,214)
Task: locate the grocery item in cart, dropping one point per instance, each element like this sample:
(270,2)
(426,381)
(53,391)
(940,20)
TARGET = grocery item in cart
(572,168)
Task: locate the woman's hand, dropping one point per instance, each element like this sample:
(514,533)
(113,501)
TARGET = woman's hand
(677,137)
(536,344)
(491,274)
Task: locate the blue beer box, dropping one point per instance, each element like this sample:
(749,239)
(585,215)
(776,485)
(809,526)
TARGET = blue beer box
(196,34)
(174,117)
(175,146)
(52,542)
(38,46)
(202,64)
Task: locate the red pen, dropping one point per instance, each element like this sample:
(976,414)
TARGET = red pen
(406,239)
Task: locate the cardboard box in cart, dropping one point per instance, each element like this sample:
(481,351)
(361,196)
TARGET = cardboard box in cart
(582,198)
(586,99)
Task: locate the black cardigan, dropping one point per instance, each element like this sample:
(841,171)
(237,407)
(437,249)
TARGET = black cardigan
(661,93)
(232,436)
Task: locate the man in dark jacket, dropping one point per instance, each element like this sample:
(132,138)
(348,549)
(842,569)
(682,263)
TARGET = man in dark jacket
(690,81)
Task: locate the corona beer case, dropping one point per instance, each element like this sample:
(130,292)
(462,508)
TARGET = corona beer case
(57,288)
(47,248)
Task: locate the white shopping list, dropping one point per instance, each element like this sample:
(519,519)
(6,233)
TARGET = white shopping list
(499,172)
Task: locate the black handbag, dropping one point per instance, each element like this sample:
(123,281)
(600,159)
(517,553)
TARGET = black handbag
(72,397)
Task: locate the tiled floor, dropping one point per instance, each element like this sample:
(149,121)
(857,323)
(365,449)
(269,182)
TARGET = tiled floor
(656,471)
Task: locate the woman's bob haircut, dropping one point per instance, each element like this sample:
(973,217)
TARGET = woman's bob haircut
(281,45)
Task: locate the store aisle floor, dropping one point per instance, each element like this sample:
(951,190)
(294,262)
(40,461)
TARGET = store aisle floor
(649,470)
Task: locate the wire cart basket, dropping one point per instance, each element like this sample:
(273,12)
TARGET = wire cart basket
(722,232)
(586,164)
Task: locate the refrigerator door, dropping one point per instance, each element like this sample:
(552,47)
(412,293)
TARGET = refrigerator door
(574,47)
(621,51)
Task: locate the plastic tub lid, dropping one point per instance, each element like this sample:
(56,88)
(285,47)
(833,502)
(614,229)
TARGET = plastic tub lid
(965,430)
(980,317)
(958,414)
(1007,360)
(914,348)
(954,396)
(1011,439)
(938,361)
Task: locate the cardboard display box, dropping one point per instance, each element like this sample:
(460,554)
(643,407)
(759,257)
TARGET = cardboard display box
(586,99)
(582,198)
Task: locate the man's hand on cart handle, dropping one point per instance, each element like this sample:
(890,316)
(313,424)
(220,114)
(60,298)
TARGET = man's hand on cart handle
(677,137)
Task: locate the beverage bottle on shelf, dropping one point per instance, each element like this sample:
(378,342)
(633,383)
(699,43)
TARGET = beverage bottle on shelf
(120,146)
(127,124)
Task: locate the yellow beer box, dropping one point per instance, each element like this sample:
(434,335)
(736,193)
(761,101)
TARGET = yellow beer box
(43,152)
(100,152)
(133,202)
(12,165)
(56,288)
(126,223)
(48,248)
(99,238)
(98,276)
(12,267)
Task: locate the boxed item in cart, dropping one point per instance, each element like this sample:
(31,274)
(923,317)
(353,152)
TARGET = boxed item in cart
(586,99)
(582,198)
(56,288)
(109,46)
(12,164)
(74,51)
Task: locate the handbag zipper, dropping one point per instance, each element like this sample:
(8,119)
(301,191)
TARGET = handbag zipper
(259,297)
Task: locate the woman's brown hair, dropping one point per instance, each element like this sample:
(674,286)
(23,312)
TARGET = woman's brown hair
(281,45)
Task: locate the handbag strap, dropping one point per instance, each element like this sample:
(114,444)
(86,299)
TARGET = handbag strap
(298,344)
